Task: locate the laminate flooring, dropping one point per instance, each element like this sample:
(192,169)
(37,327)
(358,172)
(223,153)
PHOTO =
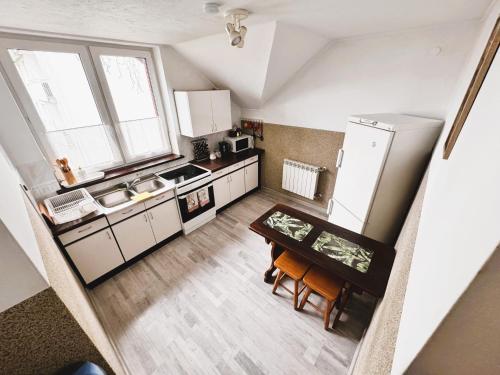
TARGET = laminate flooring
(199,305)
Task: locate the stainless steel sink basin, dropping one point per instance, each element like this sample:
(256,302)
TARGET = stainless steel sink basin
(114,197)
(149,185)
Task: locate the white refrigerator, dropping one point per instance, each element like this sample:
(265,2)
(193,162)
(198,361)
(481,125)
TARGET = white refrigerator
(379,168)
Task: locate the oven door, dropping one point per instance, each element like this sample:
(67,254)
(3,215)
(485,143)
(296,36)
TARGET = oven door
(191,210)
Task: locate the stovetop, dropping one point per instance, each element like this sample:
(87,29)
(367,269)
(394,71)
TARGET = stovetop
(183,174)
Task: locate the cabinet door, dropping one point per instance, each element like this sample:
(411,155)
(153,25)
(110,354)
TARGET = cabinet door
(251,176)
(221,192)
(237,183)
(95,255)
(221,110)
(200,113)
(134,235)
(164,220)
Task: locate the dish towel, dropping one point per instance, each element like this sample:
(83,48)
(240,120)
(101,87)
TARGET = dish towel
(192,201)
(203,196)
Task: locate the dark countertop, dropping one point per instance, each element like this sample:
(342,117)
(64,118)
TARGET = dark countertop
(232,158)
(213,165)
(127,169)
(58,229)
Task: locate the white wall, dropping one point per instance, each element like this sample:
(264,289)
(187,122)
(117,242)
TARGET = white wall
(13,212)
(273,53)
(459,226)
(18,141)
(242,69)
(393,72)
(181,75)
(22,273)
(19,279)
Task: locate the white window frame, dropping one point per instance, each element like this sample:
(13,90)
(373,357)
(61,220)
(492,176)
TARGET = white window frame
(89,56)
(96,53)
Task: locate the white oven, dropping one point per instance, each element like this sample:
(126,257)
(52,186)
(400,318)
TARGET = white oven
(195,195)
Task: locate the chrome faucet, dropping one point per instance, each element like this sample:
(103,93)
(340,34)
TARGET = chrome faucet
(130,185)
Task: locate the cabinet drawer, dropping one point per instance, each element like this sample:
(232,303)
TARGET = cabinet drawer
(159,198)
(236,166)
(220,173)
(126,212)
(83,231)
(251,160)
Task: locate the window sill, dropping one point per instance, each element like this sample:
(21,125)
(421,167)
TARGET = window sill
(125,169)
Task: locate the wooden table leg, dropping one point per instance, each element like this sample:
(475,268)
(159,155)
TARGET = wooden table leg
(343,301)
(276,251)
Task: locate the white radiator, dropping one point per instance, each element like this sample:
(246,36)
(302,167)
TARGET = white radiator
(300,178)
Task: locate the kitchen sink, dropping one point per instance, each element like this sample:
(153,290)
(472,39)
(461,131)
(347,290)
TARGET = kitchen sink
(114,197)
(149,185)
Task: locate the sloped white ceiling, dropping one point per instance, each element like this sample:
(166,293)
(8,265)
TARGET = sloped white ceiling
(242,70)
(292,47)
(273,53)
(174,21)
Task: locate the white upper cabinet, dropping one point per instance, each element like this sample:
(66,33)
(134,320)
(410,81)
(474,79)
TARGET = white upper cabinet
(221,110)
(203,112)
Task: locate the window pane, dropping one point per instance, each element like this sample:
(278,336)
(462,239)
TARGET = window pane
(143,137)
(58,87)
(89,147)
(128,81)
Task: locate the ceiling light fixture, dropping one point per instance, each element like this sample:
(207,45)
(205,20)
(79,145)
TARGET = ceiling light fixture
(234,30)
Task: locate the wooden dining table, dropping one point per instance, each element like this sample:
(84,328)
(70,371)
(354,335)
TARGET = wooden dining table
(363,262)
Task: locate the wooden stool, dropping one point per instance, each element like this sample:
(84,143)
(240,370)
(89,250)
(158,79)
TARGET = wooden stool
(293,266)
(328,286)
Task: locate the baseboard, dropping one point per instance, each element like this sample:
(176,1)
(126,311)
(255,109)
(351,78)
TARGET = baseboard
(320,210)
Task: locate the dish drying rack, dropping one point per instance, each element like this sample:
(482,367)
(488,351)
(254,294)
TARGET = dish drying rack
(70,206)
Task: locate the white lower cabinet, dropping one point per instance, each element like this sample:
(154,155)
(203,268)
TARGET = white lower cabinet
(237,183)
(164,220)
(251,176)
(221,192)
(134,235)
(95,255)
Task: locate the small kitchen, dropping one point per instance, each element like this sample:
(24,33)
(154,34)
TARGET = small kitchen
(110,223)
(197,188)
(104,225)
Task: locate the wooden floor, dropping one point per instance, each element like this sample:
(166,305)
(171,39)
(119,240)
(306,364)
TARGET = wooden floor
(199,306)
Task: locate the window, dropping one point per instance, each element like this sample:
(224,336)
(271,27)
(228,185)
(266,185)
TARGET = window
(95,120)
(128,78)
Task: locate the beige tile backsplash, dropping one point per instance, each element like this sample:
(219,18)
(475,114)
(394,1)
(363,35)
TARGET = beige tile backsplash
(311,146)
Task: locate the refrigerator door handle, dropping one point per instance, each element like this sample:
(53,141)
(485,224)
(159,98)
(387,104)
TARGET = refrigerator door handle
(368,122)
(340,156)
(330,206)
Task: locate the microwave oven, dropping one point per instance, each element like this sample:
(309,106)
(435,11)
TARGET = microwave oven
(241,143)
